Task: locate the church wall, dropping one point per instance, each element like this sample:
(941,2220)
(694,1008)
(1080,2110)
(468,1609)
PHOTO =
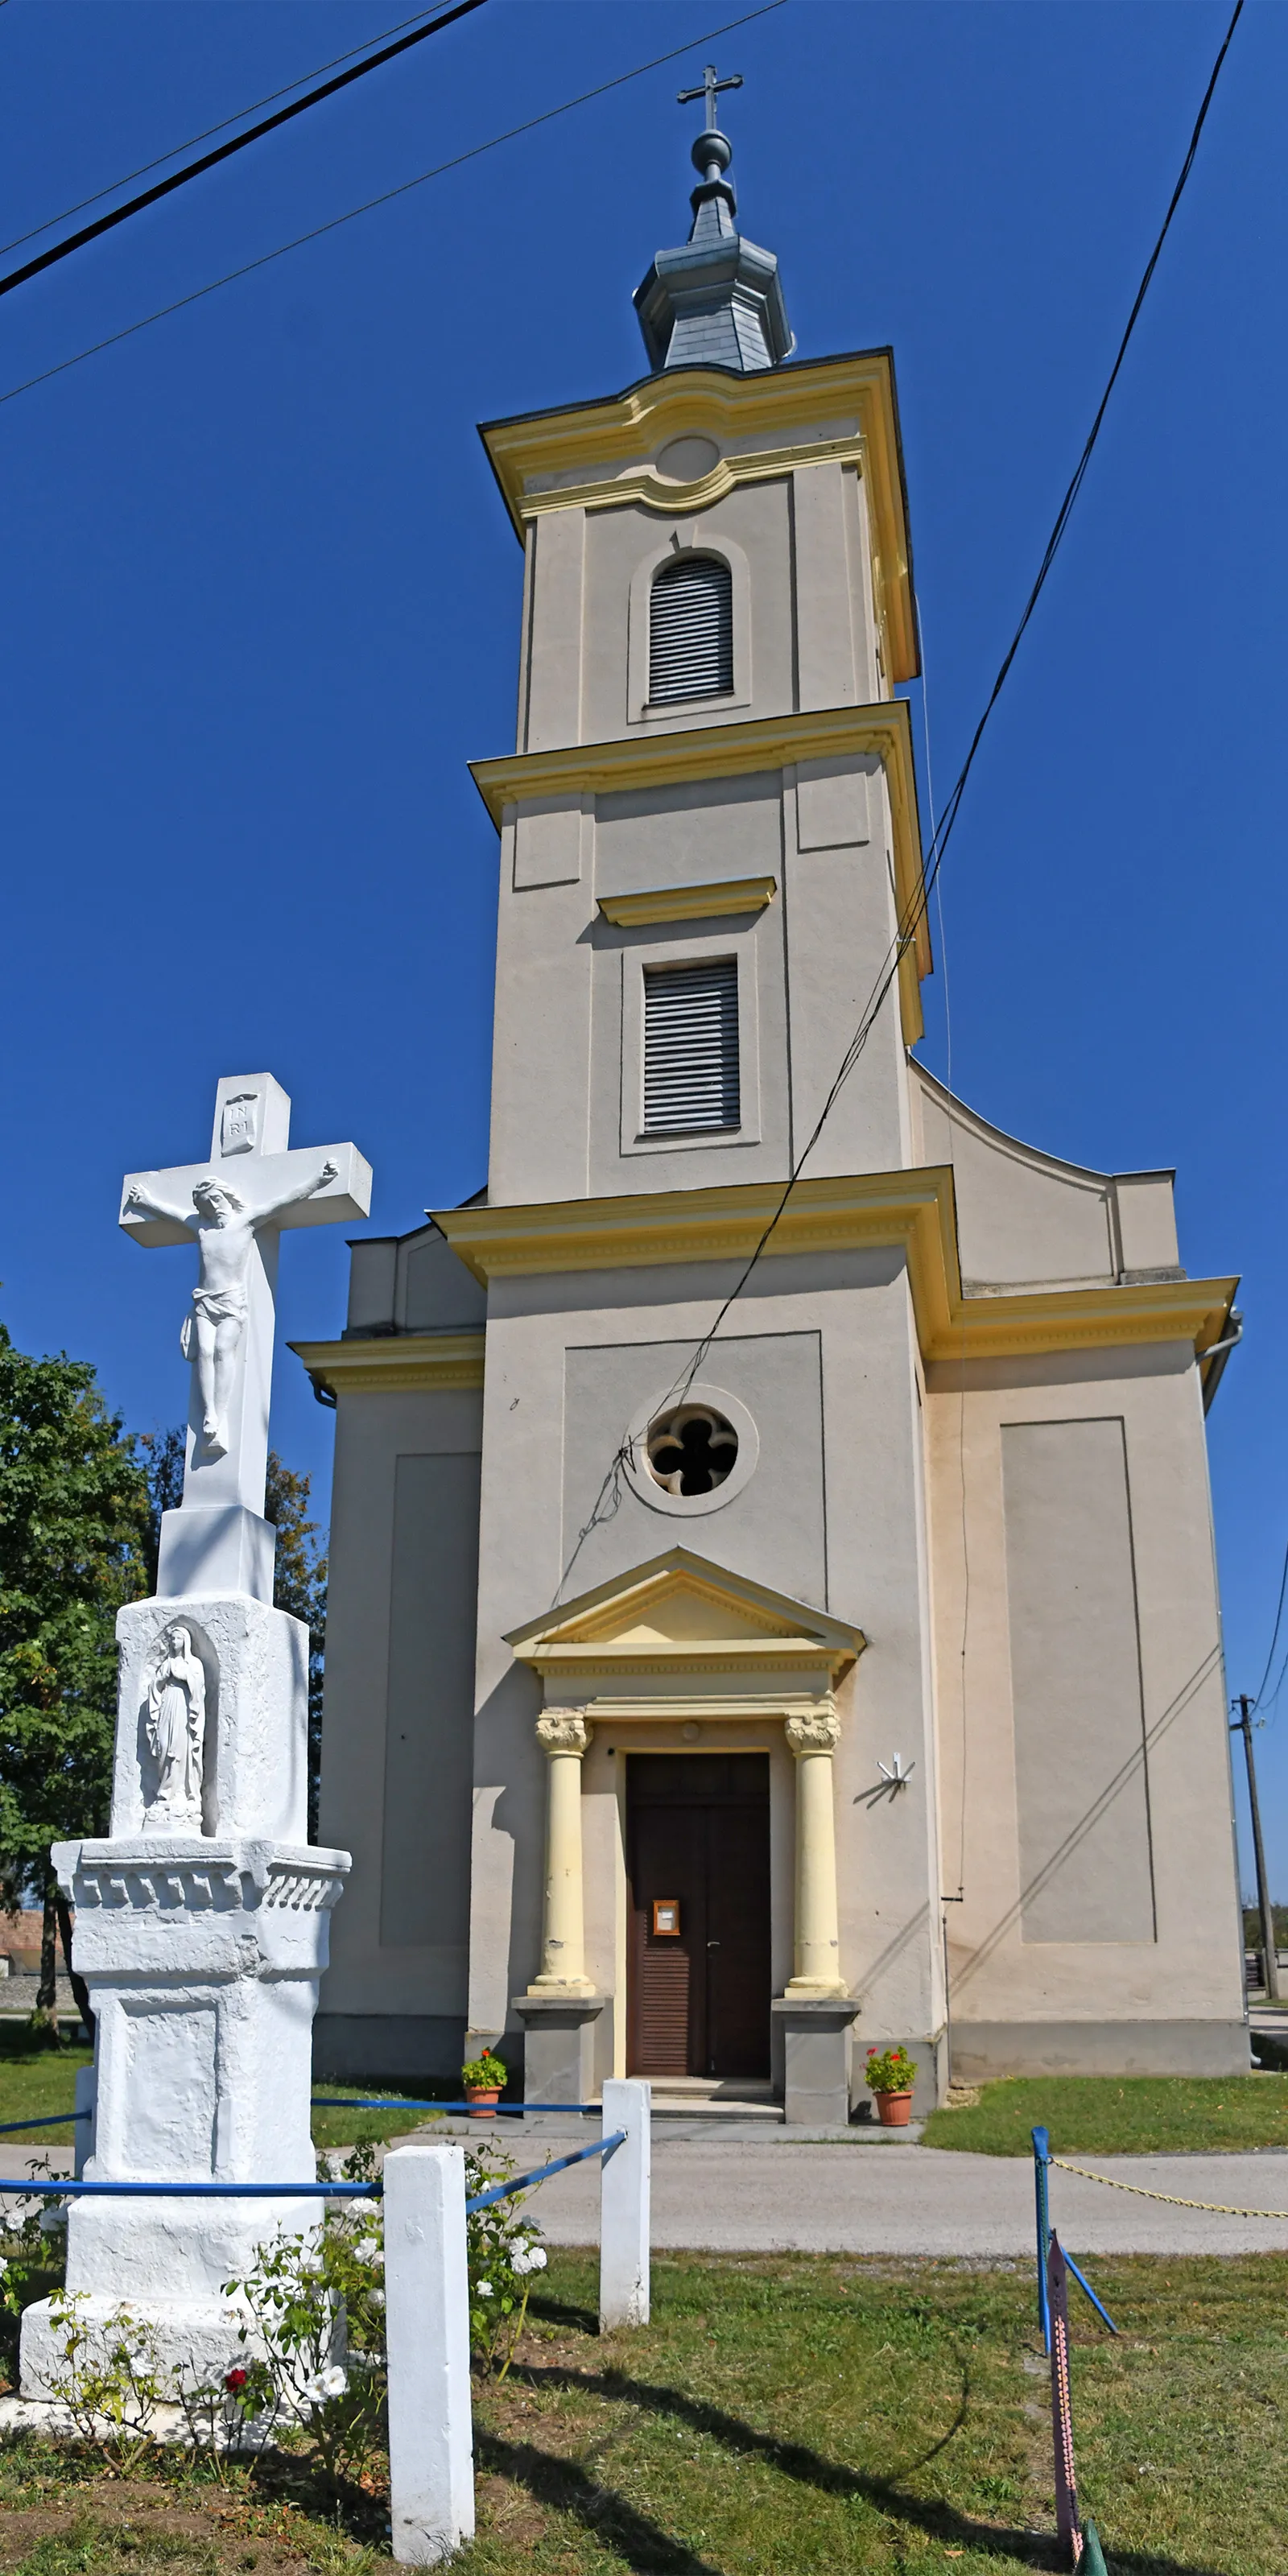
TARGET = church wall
(1025,1994)
(756,518)
(396,1759)
(573,982)
(824,1360)
(1024,1217)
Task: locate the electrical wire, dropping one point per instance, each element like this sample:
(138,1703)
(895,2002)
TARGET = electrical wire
(207,130)
(609,1495)
(915,912)
(1283,1594)
(209,160)
(457,161)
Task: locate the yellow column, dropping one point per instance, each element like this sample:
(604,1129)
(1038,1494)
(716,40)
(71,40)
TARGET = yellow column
(563,1735)
(813,1739)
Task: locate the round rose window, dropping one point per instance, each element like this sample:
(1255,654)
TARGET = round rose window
(691,1449)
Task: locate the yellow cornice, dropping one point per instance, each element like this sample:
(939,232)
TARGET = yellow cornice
(883,731)
(914,1210)
(393,1363)
(596,456)
(599,1632)
(689,903)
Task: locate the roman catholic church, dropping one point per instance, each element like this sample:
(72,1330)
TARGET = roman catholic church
(764,1623)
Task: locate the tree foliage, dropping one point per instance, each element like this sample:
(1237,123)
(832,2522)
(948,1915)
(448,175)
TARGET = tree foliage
(73,1548)
(300,1586)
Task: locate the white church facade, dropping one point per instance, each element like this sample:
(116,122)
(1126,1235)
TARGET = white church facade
(718,1689)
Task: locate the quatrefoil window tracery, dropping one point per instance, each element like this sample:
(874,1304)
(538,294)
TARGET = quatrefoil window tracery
(691,1450)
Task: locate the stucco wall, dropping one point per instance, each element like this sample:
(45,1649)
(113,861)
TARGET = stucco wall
(396,1751)
(558,1350)
(1005,1977)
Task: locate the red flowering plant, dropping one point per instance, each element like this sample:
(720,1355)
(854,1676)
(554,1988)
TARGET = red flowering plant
(890,2070)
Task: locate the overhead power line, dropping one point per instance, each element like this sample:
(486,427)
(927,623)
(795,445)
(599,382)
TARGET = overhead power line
(252,109)
(386,197)
(224,151)
(910,920)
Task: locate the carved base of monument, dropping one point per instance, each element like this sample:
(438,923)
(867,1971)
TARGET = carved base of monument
(222,1547)
(203,1956)
(248,1666)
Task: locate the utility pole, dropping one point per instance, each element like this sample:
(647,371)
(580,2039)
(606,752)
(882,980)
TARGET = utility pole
(1243,1726)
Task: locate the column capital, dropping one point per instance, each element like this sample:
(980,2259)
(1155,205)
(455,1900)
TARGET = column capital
(817,1730)
(563,1730)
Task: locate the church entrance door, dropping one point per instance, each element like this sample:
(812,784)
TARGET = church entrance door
(698,1973)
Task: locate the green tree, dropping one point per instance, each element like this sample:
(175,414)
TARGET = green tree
(73,1548)
(299,1585)
(299,1572)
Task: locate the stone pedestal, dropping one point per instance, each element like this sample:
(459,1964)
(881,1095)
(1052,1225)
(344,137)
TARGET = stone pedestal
(816,2058)
(201,1932)
(559,2046)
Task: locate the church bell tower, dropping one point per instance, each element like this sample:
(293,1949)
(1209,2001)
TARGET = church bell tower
(777,1479)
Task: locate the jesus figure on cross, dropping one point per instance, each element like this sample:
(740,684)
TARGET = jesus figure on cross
(225,1229)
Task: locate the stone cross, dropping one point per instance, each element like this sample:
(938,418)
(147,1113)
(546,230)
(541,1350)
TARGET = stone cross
(232,1208)
(710,90)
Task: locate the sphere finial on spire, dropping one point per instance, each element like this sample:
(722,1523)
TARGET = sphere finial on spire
(718,300)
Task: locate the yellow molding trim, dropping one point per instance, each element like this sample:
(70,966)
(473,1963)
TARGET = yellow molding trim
(883,732)
(855,396)
(574,1664)
(915,1210)
(689,903)
(393,1363)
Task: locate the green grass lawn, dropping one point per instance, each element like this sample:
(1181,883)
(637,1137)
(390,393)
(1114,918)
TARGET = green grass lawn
(36,2078)
(1108,2115)
(781,2416)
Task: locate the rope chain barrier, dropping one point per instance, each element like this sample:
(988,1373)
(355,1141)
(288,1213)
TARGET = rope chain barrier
(1217,2208)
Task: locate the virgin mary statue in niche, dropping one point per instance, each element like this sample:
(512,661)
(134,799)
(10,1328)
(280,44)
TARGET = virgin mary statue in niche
(176,1730)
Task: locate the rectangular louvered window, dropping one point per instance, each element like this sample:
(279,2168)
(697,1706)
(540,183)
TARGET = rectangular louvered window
(690,631)
(691,1046)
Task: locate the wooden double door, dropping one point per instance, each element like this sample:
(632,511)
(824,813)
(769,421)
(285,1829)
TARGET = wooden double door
(698,1969)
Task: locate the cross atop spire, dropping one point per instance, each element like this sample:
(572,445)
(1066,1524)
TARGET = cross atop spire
(717,301)
(710,89)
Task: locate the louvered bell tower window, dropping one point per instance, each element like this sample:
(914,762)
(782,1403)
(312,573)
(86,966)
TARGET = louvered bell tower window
(690,631)
(691,1047)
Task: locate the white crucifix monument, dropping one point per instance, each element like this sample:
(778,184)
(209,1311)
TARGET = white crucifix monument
(201,1917)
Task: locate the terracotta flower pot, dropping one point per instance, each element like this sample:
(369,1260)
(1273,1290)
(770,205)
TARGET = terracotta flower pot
(894,2110)
(483,2099)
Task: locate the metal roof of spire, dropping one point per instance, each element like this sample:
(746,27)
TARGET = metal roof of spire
(717,301)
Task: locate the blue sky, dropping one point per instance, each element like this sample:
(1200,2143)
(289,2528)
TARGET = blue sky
(261,599)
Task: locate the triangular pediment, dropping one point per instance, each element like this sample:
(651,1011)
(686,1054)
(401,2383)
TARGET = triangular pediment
(680,1601)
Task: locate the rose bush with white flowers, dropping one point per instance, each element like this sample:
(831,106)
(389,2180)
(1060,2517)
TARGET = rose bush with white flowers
(504,2252)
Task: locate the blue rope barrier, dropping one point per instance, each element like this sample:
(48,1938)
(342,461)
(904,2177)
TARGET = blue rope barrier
(602,2147)
(47,2120)
(1041,2160)
(401,2102)
(206,2190)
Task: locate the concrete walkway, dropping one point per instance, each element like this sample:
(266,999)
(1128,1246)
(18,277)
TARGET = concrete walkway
(734,2196)
(724,2194)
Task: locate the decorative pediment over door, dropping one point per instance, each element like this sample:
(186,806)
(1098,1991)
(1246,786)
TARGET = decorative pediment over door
(678,1631)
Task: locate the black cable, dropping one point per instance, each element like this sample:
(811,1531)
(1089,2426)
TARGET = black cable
(193,140)
(223,151)
(912,919)
(610,1490)
(1283,1592)
(386,197)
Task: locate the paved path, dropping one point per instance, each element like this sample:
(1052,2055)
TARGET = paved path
(727,2195)
(845,2199)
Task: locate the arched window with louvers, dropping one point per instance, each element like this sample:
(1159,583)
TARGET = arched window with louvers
(690,631)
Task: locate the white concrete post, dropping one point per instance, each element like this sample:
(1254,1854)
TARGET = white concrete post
(813,1740)
(427,2327)
(563,1735)
(86,2100)
(624,2207)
